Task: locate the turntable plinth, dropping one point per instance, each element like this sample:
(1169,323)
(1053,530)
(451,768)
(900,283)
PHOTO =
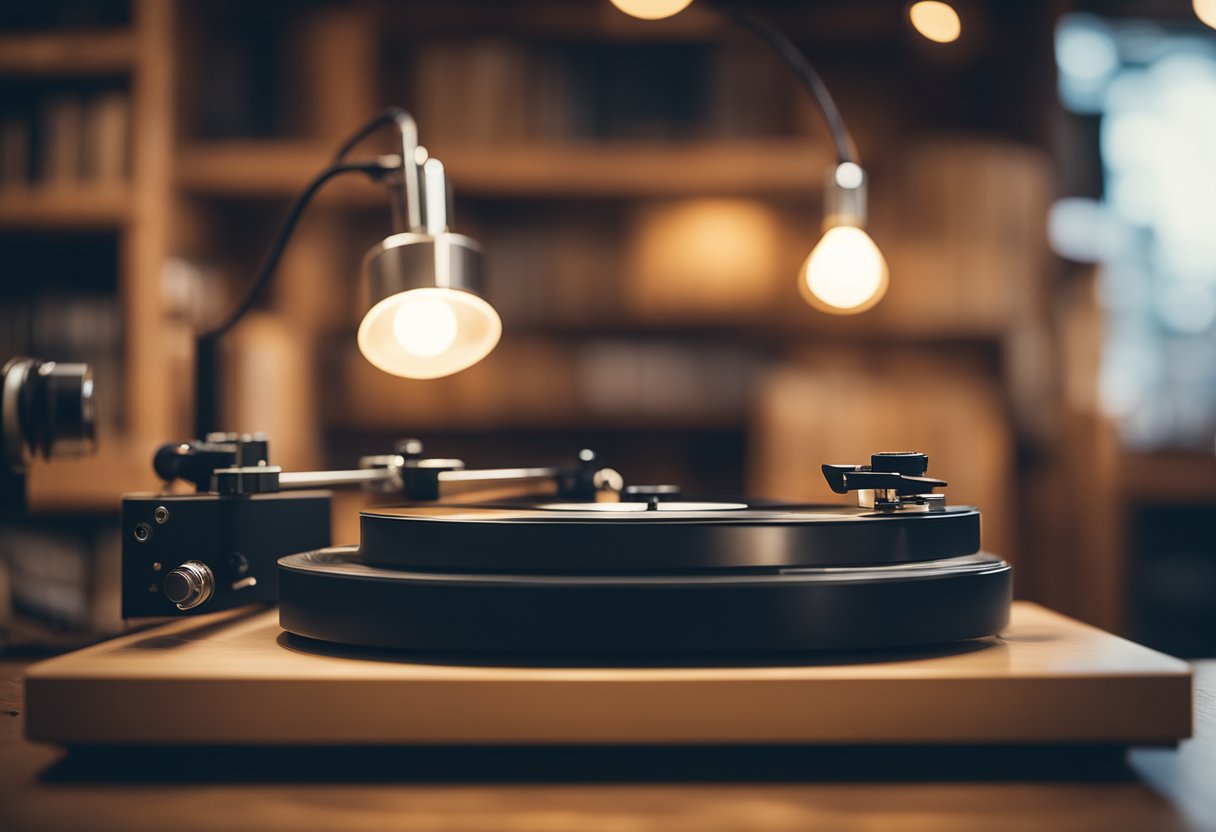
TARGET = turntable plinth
(235,678)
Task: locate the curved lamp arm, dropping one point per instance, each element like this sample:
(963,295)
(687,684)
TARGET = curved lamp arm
(846,151)
(406,202)
(845,273)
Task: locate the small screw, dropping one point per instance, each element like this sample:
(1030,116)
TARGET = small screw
(152,588)
(143,532)
(156,566)
(161,515)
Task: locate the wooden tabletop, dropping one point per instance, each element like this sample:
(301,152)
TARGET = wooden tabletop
(41,787)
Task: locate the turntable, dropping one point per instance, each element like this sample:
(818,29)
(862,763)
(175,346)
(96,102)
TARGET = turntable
(589,611)
(649,571)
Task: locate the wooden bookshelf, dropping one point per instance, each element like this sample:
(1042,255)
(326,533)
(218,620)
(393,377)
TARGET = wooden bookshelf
(618,169)
(130,205)
(103,52)
(77,207)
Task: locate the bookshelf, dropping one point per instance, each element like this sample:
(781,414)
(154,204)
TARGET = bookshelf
(87,208)
(589,171)
(592,180)
(86,145)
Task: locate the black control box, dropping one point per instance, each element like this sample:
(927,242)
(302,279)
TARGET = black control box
(186,554)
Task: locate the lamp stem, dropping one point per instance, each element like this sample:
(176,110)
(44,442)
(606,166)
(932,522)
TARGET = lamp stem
(407,201)
(846,151)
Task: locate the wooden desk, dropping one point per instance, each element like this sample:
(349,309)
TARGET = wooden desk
(596,789)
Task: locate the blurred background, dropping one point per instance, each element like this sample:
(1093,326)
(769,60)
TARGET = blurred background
(1043,187)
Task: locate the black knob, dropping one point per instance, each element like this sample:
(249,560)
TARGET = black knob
(189,585)
(908,463)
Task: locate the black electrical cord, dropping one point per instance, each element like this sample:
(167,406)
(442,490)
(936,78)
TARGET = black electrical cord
(207,361)
(807,74)
(391,115)
(372,168)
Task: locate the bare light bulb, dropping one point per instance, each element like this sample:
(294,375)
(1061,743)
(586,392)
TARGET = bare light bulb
(845,273)
(425,327)
(652,9)
(936,21)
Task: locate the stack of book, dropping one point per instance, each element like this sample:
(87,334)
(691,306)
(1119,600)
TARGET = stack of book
(65,141)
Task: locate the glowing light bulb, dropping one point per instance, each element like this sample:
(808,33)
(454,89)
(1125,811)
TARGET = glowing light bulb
(652,9)
(1205,10)
(937,21)
(845,273)
(425,327)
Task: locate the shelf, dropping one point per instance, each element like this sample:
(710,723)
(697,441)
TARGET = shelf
(1174,477)
(80,207)
(67,53)
(797,324)
(784,167)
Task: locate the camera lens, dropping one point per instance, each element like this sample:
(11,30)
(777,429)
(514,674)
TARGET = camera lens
(46,409)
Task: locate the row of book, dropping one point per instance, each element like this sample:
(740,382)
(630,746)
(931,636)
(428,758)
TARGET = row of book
(477,90)
(66,140)
(531,382)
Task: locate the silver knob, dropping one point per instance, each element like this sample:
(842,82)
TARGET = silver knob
(189,585)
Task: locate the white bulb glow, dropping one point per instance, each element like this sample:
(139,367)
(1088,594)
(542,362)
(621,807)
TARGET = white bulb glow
(849,175)
(425,327)
(651,9)
(845,273)
(428,332)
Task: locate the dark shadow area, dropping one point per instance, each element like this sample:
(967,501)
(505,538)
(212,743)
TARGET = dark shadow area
(581,764)
(199,632)
(313,647)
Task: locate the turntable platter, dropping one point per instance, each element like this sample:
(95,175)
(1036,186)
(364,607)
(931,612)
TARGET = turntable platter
(331,595)
(684,536)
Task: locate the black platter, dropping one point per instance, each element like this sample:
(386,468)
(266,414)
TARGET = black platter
(551,577)
(558,537)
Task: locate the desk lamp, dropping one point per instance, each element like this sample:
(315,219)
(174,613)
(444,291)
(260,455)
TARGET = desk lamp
(845,272)
(425,316)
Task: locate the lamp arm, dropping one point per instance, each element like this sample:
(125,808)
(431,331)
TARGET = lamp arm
(846,151)
(206,353)
(406,200)
(376,168)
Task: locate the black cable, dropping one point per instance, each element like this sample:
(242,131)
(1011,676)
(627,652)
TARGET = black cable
(207,356)
(807,74)
(288,225)
(392,115)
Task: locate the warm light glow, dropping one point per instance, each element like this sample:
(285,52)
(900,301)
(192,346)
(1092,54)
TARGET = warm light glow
(426,327)
(429,332)
(935,20)
(703,257)
(845,273)
(1205,10)
(651,9)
